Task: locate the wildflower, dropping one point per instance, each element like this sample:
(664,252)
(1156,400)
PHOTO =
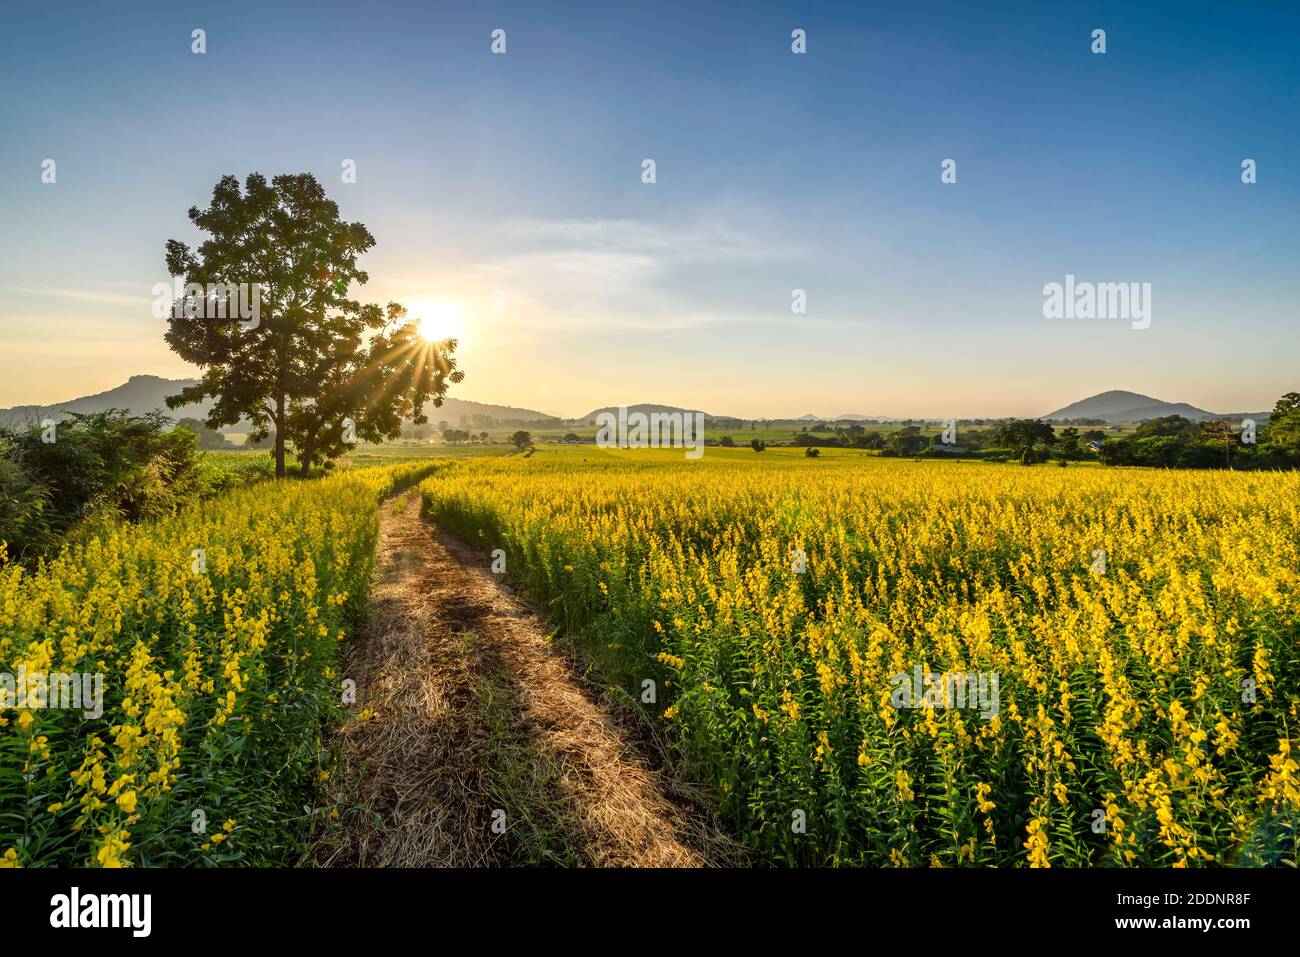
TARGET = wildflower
(1036,842)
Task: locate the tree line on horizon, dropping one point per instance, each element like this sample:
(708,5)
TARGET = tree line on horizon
(1171,441)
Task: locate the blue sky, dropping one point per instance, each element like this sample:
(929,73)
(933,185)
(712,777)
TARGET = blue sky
(775,171)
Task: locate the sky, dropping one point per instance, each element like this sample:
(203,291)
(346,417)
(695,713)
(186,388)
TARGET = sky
(522,173)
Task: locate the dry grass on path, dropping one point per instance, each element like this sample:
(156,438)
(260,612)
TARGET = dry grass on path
(477,712)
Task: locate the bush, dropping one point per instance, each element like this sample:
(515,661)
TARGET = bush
(23,503)
(107,465)
(208,438)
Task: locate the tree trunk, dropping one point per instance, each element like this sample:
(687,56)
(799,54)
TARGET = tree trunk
(305,454)
(279,437)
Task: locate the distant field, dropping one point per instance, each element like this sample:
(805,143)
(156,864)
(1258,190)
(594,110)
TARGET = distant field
(371,454)
(367,452)
(742,437)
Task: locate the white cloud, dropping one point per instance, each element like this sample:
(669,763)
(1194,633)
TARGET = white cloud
(619,273)
(703,241)
(86,295)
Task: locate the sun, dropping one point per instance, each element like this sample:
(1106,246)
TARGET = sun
(437,320)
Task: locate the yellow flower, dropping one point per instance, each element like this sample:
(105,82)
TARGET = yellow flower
(903,782)
(110,852)
(1036,842)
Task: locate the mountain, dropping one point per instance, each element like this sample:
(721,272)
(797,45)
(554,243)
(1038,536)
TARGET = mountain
(645,407)
(145,393)
(1118,407)
(139,394)
(453,410)
(846,417)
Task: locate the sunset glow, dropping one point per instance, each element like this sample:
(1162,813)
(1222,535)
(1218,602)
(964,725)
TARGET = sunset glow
(438,320)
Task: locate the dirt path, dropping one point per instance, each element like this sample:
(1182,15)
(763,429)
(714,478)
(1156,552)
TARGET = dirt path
(485,747)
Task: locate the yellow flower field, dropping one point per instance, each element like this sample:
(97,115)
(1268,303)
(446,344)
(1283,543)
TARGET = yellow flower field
(215,633)
(1141,628)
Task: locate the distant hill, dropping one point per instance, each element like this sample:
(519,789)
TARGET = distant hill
(1117,407)
(846,417)
(452,410)
(139,394)
(145,393)
(645,407)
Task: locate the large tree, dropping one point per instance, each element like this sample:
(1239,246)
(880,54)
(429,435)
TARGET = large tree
(313,366)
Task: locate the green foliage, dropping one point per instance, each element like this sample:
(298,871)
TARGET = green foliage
(209,439)
(1175,442)
(109,465)
(1029,438)
(1166,426)
(24,524)
(1283,431)
(906,441)
(1069,445)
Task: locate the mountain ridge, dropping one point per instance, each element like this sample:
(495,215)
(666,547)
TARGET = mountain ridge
(1119,406)
(645,407)
(144,393)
